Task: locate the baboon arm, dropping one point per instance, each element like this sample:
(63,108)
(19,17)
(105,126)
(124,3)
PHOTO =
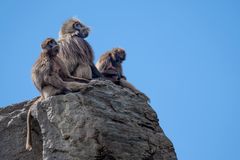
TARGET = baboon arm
(62,66)
(56,81)
(66,72)
(73,78)
(95,72)
(69,77)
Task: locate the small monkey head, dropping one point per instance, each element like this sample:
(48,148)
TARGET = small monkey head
(73,26)
(118,55)
(50,46)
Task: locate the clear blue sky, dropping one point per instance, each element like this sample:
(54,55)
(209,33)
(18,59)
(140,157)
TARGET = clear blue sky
(185,55)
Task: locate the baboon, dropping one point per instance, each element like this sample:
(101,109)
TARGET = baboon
(75,51)
(110,66)
(51,77)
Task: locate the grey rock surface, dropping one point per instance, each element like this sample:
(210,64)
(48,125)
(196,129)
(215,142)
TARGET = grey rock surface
(13,127)
(105,122)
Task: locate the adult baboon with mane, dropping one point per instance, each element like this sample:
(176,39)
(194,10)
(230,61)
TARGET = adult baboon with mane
(75,51)
(51,77)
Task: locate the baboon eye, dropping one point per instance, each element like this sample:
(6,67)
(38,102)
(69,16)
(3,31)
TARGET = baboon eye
(54,42)
(49,44)
(76,26)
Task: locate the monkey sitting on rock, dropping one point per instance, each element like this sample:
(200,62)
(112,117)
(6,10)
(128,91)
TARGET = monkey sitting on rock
(110,66)
(51,77)
(75,51)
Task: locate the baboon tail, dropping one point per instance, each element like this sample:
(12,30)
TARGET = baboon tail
(29,126)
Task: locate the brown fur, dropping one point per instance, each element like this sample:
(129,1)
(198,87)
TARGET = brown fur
(110,65)
(76,52)
(51,77)
(29,127)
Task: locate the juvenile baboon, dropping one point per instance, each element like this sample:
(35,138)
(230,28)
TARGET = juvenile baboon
(51,77)
(110,66)
(75,51)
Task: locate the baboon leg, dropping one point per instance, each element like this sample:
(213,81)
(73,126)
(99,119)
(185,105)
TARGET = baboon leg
(76,86)
(83,71)
(68,76)
(71,86)
(72,78)
(95,72)
(49,91)
(126,84)
(57,82)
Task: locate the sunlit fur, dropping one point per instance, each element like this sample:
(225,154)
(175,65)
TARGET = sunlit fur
(67,27)
(103,62)
(75,51)
(110,65)
(51,77)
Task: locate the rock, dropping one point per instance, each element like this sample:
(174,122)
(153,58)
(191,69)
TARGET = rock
(13,134)
(105,122)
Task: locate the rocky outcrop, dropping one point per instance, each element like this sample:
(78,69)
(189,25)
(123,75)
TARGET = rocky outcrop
(105,122)
(13,134)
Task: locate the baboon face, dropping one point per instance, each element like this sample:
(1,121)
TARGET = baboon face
(74,26)
(51,46)
(119,55)
(82,30)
